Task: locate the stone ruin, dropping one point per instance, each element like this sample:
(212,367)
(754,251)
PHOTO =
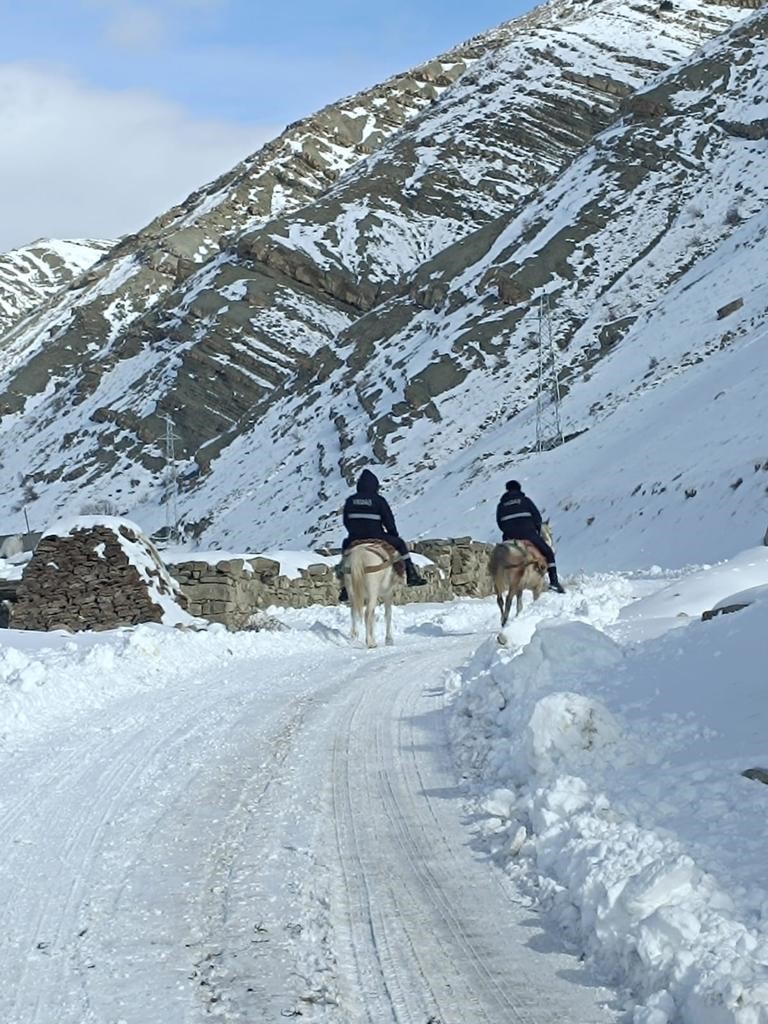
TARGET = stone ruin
(95,573)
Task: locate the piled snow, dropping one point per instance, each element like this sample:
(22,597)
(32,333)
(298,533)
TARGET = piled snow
(49,679)
(291,562)
(13,568)
(705,588)
(608,783)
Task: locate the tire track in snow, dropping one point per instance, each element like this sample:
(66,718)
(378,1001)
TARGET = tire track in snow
(180,859)
(108,810)
(425,929)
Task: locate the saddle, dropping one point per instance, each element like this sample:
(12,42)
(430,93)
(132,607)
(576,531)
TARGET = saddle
(538,560)
(389,550)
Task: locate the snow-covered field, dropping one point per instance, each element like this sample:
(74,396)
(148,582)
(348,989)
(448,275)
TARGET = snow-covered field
(262,825)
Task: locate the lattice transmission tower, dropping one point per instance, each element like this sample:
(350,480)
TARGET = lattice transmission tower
(549,431)
(171,481)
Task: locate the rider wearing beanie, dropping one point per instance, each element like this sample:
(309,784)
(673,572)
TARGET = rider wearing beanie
(518,519)
(367,516)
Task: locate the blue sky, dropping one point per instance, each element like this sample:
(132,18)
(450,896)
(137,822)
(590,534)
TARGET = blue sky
(154,97)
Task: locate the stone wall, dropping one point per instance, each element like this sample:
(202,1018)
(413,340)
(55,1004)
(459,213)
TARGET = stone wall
(84,580)
(463,562)
(234,589)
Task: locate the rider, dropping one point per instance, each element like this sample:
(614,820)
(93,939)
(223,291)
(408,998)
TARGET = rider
(518,519)
(367,516)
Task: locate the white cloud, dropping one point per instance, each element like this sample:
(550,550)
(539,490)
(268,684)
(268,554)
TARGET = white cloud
(77,161)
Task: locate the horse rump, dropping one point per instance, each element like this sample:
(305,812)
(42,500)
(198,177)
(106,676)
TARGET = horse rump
(393,555)
(506,555)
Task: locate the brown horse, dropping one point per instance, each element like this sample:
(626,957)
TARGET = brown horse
(515,566)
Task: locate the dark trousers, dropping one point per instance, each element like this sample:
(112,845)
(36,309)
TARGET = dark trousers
(539,543)
(391,538)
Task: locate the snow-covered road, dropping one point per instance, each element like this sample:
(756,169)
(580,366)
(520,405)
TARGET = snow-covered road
(265,828)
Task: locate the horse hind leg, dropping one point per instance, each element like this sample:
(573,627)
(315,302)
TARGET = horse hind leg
(370,635)
(371,600)
(388,639)
(507,607)
(355,608)
(500,603)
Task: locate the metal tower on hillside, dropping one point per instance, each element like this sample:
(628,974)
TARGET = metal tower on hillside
(549,431)
(171,482)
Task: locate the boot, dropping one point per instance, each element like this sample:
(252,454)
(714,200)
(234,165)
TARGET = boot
(554,582)
(343,595)
(412,577)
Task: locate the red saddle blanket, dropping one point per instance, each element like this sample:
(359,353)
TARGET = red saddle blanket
(388,548)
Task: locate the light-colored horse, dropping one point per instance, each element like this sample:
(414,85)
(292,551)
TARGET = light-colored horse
(370,577)
(515,566)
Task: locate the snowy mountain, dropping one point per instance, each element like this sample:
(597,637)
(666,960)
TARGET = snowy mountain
(563,821)
(591,153)
(282,176)
(36,272)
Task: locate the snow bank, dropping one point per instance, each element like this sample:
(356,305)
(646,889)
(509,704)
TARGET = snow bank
(695,593)
(48,679)
(608,781)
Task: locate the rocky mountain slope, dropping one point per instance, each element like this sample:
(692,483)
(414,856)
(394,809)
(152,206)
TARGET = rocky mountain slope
(36,272)
(281,177)
(391,316)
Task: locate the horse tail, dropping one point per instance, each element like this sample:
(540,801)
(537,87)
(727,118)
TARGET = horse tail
(357,577)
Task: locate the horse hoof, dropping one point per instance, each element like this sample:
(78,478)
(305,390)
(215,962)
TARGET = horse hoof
(389,642)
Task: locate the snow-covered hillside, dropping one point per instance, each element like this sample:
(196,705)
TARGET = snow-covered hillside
(262,356)
(656,228)
(36,272)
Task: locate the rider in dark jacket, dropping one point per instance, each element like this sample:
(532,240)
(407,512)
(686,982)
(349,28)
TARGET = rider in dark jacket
(367,516)
(518,519)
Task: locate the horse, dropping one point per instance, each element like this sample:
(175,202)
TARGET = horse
(515,566)
(370,577)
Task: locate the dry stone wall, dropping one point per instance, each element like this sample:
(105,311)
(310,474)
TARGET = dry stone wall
(235,589)
(85,580)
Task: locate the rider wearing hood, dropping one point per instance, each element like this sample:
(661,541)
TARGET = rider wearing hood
(518,519)
(367,516)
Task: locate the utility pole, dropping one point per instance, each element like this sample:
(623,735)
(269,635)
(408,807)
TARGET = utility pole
(549,431)
(171,482)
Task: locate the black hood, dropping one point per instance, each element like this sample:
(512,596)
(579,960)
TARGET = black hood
(367,484)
